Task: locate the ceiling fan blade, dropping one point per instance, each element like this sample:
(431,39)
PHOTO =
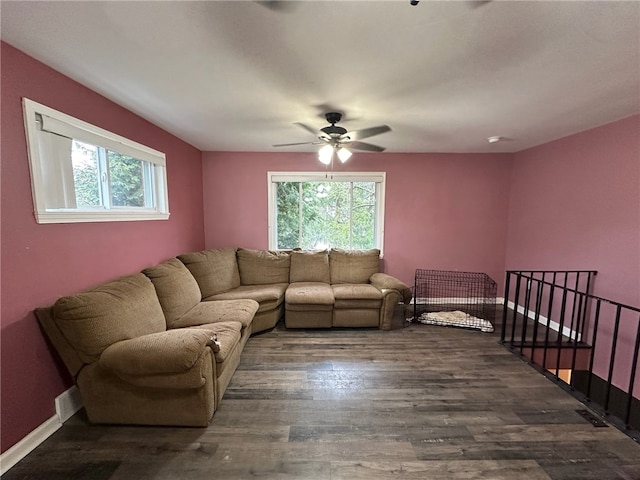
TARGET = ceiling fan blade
(369,147)
(292,144)
(313,131)
(367,132)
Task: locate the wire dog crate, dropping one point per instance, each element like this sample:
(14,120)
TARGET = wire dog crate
(448,291)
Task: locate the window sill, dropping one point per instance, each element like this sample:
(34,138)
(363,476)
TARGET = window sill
(110,216)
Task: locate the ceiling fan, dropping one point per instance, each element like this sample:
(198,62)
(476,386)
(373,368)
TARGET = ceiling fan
(336,139)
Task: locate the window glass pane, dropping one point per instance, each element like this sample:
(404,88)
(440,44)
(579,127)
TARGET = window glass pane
(86,176)
(127,180)
(318,215)
(315,215)
(364,215)
(287,214)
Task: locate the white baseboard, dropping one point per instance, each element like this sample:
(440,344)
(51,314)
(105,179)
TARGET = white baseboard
(25,446)
(555,326)
(67,403)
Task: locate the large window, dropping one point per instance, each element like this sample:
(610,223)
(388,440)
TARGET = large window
(314,211)
(82,173)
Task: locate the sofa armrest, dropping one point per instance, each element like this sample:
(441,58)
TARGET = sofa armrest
(383,281)
(166,359)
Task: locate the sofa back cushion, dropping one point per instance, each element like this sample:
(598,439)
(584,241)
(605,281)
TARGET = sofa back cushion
(121,309)
(263,267)
(353,266)
(216,271)
(176,288)
(309,266)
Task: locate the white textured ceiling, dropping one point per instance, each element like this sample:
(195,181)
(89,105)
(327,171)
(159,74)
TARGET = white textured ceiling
(235,75)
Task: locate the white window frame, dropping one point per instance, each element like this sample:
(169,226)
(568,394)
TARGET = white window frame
(70,127)
(378,177)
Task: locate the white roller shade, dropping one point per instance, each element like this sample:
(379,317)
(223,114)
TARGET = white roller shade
(89,134)
(56,169)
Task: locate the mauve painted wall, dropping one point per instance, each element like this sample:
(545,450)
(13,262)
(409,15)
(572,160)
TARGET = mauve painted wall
(42,262)
(443,211)
(575,204)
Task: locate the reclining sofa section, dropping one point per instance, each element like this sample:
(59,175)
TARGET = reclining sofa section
(313,289)
(160,347)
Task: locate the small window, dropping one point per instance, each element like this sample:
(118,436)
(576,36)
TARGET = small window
(314,211)
(82,173)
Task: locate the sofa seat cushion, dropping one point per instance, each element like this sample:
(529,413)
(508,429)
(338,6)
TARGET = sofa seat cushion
(228,336)
(303,296)
(269,297)
(309,266)
(353,266)
(263,267)
(216,271)
(121,309)
(220,311)
(176,288)
(358,295)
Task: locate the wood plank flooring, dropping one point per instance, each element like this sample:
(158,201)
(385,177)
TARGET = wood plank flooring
(421,402)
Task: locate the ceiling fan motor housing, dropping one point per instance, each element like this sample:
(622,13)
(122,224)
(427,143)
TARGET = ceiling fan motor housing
(333,117)
(332,130)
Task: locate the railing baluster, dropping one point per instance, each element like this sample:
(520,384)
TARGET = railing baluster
(515,309)
(561,325)
(549,314)
(586,313)
(614,343)
(573,329)
(575,343)
(632,378)
(507,286)
(593,347)
(527,299)
(536,317)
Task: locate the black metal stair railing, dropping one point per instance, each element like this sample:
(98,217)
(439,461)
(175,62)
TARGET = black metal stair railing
(588,344)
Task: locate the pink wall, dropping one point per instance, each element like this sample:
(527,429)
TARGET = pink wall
(43,262)
(575,204)
(443,211)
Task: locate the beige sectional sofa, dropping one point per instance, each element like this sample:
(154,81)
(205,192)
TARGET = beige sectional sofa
(230,274)
(160,347)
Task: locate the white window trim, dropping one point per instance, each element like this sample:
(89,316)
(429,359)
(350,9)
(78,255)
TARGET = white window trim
(379,178)
(66,125)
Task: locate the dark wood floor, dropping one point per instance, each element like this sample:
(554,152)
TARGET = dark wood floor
(421,402)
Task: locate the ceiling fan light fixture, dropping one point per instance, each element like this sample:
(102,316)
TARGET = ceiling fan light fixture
(333,137)
(325,154)
(344,154)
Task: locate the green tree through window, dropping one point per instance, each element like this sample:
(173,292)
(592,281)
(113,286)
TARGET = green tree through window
(127,180)
(85,174)
(313,215)
(126,174)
